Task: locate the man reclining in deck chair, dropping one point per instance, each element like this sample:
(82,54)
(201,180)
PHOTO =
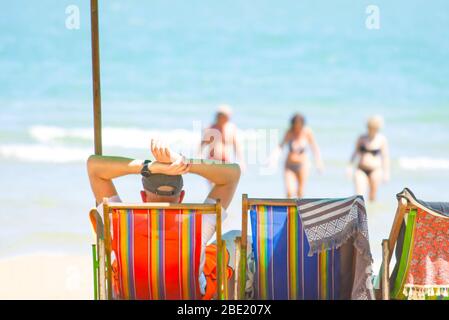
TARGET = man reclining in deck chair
(162,182)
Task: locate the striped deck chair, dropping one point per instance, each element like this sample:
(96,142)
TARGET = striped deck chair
(419,236)
(152,251)
(283,268)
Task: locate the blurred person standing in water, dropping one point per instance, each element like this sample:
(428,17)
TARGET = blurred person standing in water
(372,157)
(296,170)
(221,138)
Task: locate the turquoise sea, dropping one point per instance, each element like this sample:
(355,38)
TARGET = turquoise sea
(166,65)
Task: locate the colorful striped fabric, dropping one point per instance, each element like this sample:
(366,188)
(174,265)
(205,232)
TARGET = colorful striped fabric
(157,254)
(283,268)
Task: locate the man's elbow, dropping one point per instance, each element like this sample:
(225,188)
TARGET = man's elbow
(91,163)
(236,173)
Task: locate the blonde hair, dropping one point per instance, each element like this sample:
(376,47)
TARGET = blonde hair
(375,122)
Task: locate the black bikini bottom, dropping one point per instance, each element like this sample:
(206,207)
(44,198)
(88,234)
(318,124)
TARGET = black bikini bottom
(367,171)
(295,167)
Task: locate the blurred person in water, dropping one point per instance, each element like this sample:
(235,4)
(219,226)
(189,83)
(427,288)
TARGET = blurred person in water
(296,169)
(371,156)
(221,138)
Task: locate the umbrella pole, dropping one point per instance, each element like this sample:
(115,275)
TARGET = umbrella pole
(97,130)
(96,76)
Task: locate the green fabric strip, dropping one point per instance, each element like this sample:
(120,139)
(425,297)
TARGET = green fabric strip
(398,288)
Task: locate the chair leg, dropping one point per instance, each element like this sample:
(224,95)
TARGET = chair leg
(385,270)
(102,287)
(242,273)
(237,255)
(220,293)
(224,273)
(95,270)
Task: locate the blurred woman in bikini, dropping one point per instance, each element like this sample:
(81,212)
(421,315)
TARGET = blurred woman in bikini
(221,138)
(372,157)
(298,137)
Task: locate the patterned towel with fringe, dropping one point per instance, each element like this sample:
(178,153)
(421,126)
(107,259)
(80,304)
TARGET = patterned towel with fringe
(428,272)
(330,223)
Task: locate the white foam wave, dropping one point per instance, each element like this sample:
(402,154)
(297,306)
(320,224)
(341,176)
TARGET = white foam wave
(137,138)
(47,134)
(423,163)
(61,145)
(44,153)
(117,137)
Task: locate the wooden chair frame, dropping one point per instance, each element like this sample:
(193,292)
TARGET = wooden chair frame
(102,250)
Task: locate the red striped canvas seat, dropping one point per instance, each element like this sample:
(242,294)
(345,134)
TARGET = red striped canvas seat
(157,253)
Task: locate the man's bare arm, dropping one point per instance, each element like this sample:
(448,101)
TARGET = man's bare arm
(103,169)
(225,178)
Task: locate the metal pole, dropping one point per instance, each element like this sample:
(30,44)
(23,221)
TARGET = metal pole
(97,129)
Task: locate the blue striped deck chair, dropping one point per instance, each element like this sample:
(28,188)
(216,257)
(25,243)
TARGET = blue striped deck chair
(283,268)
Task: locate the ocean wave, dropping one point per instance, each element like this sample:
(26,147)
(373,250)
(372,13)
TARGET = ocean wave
(47,134)
(423,163)
(44,153)
(116,137)
(62,145)
(136,138)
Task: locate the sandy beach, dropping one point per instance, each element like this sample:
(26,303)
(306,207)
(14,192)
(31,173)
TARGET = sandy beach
(46,276)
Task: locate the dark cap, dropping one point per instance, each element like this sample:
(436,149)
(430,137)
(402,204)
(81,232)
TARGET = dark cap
(154,182)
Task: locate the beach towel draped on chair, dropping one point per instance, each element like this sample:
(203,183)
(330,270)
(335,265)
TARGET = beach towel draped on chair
(422,251)
(329,223)
(419,236)
(157,253)
(291,266)
(210,271)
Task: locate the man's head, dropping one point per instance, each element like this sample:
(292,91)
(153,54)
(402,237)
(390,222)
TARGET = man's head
(162,188)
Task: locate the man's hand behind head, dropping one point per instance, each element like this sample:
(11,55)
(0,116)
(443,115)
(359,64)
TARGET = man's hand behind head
(162,152)
(224,176)
(171,169)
